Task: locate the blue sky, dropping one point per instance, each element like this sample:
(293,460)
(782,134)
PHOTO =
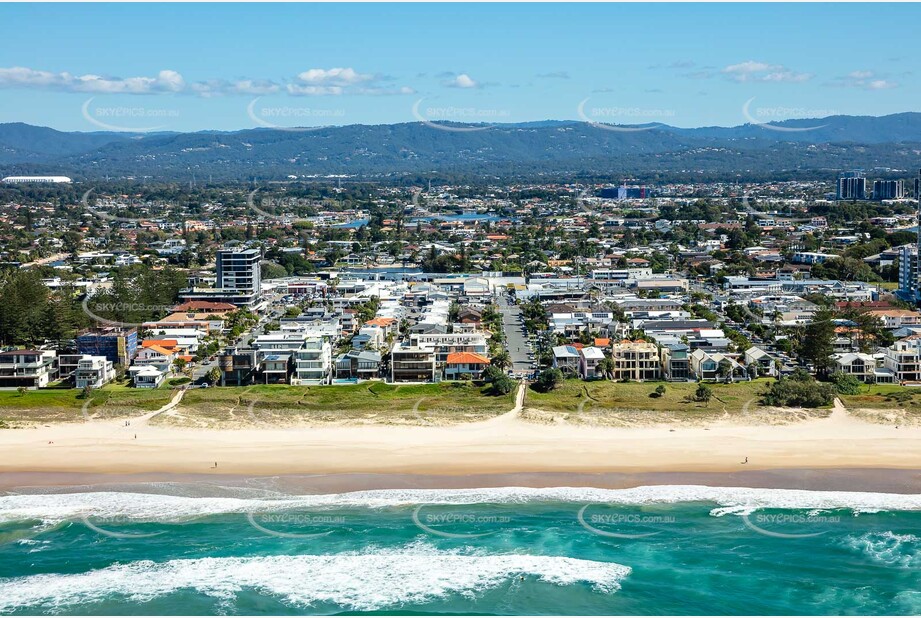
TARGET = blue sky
(232,66)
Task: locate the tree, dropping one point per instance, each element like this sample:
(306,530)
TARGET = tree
(724,369)
(845,383)
(503,385)
(607,366)
(22,391)
(817,344)
(549,379)
(180,364)
(502,360)
(703,394)
(214,375)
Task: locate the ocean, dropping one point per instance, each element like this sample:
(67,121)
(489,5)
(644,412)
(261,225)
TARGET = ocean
(191,548)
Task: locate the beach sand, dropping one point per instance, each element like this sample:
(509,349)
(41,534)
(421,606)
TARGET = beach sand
(503,445)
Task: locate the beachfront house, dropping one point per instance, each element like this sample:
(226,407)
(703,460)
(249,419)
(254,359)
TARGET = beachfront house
(93,372)
(465,366)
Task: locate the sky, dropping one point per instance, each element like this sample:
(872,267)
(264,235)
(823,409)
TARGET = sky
(190,67)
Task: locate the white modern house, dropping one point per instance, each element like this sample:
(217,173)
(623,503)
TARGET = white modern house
(93,372)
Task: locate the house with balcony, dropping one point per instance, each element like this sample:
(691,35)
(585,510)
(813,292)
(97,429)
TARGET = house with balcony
(766,362)
(863,367)
(636,360)
(276,368)
(566,358)
(903,359)
(589,358)
(465,366)
(714,366)
(93,372)
(409,363)
(313,363)
(358,365)
(28,368)
(146,376)
(675,359)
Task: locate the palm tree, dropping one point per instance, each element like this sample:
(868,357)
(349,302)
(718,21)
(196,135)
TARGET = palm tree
(606,367)
(502,360)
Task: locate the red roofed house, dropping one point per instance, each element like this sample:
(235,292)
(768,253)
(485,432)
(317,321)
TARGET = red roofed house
(465,366)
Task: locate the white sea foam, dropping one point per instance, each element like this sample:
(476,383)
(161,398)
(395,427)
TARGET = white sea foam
(158,507)
(363,581)
(888,548)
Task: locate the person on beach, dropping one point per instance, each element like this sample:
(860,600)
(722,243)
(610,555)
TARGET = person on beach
(746,461)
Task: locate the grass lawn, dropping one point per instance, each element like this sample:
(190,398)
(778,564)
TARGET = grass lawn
(65,405)
(630,402)
(372,402)
(886,403)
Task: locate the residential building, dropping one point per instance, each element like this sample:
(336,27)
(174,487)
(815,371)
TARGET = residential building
(313,363)
(146,376)
(117,344)
(852,186)
(566,358)
(93,372)
(589,359)
(409,363)
(636,360)
(903,359)
(358,365)
(706,366)
(676,364)
(465,366)
(767,363)
(238,367)
(27,368)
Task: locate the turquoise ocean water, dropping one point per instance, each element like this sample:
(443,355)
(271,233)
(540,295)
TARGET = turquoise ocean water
(176,549)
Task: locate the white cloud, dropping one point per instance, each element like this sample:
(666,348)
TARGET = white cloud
(334,77)
(312,82)
(752,71)
(21,77)
(462,81)
(866,80)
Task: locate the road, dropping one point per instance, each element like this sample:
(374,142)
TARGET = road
(516,340)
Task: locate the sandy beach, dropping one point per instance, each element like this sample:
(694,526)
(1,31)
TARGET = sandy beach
(506,444)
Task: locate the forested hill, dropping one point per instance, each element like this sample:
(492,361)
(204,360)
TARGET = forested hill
(804,149)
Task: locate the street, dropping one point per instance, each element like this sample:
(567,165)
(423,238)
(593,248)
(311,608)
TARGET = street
(516,340)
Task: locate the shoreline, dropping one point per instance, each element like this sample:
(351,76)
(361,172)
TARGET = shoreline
(867,480)
(504,445)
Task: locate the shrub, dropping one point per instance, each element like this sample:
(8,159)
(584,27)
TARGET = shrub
(793,392)
(548,380)
(845,384)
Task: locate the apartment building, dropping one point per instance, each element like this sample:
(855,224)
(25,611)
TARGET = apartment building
(636,360)
(444,344)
